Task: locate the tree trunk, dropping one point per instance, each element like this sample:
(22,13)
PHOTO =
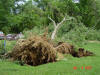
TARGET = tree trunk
(57,26)
(54,33)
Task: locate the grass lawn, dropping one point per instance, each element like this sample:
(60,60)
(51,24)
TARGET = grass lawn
(63,67)
(9,44)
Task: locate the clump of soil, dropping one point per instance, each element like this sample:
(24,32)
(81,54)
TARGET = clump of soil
(34,51)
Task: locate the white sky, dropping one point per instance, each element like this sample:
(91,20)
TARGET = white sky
(21,2)
(76,1)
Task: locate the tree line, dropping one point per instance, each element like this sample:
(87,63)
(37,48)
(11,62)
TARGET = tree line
(19,15)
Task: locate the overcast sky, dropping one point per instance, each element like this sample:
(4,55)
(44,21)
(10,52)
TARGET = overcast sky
(76,1)
(21,2)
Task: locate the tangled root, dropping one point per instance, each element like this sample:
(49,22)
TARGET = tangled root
(34,51)
(65,48)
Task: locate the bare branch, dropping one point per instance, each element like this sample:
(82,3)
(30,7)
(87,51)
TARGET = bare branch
(54,23)
(57,26)
(63,21)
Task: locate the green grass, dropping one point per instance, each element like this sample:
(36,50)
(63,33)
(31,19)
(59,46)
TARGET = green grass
(63,67)
(9,44)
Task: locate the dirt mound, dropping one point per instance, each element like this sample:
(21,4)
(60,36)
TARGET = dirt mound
(34,51)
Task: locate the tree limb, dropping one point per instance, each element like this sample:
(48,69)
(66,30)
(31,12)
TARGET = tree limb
(57,26)
(54,23)
(63,21)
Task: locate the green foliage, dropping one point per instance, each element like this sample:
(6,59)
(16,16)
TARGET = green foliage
(34,31)
(89,12)
(8,47)
(20,22)
(5,6)
(2,49)
(80,34)
(28,15)
(93,34)
(34,17)
(76,36)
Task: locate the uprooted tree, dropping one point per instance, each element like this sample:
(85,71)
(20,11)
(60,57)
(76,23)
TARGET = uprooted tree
(57,26)
(37,50)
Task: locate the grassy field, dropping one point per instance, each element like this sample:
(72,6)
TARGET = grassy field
(9,44)
(63,67)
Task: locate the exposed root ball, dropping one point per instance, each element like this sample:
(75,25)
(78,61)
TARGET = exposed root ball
(82,52)
(40,50)
(34,51)
(60,56)
(65,48)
